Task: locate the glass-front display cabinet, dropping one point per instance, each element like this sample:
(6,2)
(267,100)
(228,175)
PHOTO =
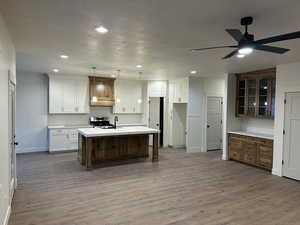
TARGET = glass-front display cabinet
(256,94)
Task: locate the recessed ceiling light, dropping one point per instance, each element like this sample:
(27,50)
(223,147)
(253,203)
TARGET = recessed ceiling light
(139,66)
(55,70)
(193,72)
(245,51)
(101,29)
(240,56)
(64,56)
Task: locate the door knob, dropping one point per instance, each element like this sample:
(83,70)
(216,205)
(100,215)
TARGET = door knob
(208,126)
(16,143)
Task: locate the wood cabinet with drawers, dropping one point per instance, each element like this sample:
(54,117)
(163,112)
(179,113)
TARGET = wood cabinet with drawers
(251,150)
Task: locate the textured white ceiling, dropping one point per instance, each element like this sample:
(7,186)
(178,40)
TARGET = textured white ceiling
(154,33)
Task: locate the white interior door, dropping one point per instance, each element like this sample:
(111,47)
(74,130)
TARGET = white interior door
(12,140)
(154,115)
(291,166)
(214,123)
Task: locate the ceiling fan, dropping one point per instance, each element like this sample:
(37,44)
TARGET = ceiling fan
(246,42)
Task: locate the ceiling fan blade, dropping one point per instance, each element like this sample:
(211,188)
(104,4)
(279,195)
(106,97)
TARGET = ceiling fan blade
(282,37)
(202,49)
(230,54)
(236,34)
(272,49)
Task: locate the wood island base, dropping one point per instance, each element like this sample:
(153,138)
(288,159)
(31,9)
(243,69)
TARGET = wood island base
(94,151)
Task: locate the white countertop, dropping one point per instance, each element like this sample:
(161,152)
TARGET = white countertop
(131,125)
(98,132)
(68,126)
(253,134)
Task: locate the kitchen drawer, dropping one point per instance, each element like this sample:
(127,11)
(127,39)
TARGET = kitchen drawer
(250,151)
(237,137)
(57,132)
(235,154)
(265,156)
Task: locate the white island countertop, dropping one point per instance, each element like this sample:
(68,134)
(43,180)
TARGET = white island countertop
(253,134)
(98,132)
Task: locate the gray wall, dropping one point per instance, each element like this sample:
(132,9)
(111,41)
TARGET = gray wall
(32,112)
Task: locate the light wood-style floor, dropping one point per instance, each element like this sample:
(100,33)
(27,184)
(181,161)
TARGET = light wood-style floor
(182,189)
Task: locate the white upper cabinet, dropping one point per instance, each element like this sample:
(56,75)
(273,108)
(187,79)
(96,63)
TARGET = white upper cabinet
(181,90)
(157,88)
(68,95)
(82,99)
(129,97)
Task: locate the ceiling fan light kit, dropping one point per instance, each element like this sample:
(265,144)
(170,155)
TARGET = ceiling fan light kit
(245,50)
(246,42)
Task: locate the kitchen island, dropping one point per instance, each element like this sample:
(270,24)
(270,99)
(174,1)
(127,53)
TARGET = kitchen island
(97,146)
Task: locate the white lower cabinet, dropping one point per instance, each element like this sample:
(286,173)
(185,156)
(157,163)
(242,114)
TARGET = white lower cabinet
(64,139)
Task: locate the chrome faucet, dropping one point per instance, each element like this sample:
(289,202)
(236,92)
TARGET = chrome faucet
(116,119)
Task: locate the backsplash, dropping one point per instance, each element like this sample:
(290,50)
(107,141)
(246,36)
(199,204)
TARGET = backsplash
(257,125)
(83,119)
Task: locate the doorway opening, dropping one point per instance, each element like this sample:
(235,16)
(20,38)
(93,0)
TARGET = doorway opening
(156,117)
(214,123)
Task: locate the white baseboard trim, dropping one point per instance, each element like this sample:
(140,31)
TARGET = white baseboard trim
(32,149)
(7,215)
(224,157)
(194,150)
(178,146)
(276,173)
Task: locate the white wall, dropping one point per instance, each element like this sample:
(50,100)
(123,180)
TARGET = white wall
(195,115)
(214,87)
(264,126)
(287,80)
(32,112)
(33,118)
(7,62)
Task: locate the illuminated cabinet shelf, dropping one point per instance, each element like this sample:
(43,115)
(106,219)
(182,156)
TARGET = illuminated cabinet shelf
(255,96)
(128,97)
(102,91)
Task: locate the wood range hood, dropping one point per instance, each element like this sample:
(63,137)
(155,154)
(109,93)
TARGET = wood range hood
(101,91)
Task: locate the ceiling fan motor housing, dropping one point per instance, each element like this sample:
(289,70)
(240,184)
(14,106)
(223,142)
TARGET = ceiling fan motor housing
(246,21)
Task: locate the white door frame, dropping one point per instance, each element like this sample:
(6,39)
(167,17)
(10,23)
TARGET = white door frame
(284,127)
(205,121)
(12,120)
